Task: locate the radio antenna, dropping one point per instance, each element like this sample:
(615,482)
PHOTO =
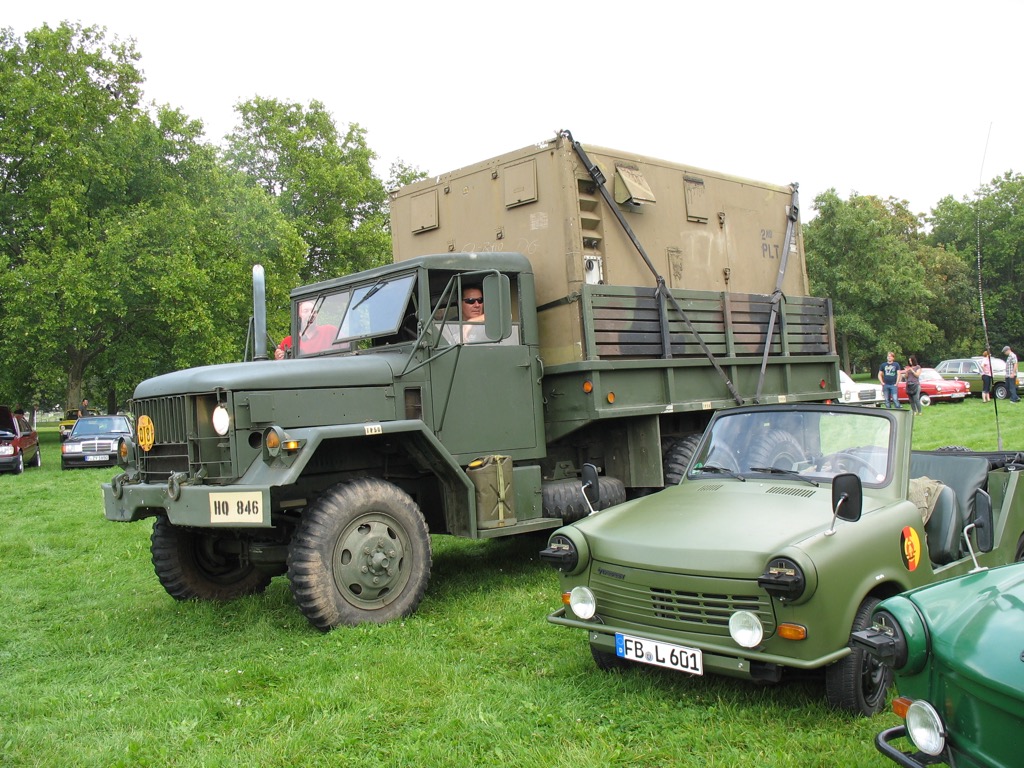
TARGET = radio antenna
(981,292)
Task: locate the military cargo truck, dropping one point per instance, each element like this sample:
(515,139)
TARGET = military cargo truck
(625,300)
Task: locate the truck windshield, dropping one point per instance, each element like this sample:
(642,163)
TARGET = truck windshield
(376,308)
(813,445)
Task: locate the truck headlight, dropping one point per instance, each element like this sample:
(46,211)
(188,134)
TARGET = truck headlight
(925,728)
(583,602)
(221,420)
(745,628)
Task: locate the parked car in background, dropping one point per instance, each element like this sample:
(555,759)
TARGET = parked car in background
(19,442)
(968,370)
(857,392)
(93,441)
(934,387)
(956,649)
(68,422)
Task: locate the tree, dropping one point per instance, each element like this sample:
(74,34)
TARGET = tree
(125,247)
(865,254)
(322,181)
(989,230)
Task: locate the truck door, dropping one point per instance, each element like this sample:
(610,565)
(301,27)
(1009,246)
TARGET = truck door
(486,394)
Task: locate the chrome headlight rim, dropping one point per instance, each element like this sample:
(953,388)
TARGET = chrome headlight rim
(583,602)
(925,728)
(746,629)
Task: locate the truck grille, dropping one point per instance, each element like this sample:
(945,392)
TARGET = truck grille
(184,441)
(678,602)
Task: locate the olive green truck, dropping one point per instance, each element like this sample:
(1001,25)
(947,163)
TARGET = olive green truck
(625,300)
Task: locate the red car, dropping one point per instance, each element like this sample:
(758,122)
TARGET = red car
(934,387)
(19,443)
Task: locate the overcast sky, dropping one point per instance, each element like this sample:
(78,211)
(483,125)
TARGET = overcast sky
(908,99)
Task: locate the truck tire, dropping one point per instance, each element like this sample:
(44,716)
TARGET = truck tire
(360,554)
(191,566)
(677,457)
(564,498)
(777,448)
(858,683)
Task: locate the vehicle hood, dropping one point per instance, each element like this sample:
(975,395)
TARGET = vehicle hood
(687,528)
(349,371)
(975,625)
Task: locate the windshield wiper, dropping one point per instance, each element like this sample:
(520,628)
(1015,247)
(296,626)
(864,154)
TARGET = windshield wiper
(787,472)
(721,471)
(373,289)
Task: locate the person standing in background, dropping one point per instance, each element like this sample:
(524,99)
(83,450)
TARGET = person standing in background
(912,376)
(888,376)
(1011,374)
(986,376)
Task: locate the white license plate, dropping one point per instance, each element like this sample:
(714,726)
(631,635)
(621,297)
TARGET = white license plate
(236,507)
(677,657)
(97,458)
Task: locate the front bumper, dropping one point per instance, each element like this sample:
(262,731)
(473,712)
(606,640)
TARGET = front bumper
(199,506)
(86,460)
(721,655)
(905,759)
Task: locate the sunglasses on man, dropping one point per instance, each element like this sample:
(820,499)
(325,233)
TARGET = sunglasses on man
(473,301)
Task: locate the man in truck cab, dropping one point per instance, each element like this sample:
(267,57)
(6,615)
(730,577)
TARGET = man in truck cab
(472,312)
(313,338)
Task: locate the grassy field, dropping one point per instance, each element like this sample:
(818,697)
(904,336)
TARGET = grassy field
(101,668)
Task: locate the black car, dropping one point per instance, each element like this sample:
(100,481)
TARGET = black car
(94,441)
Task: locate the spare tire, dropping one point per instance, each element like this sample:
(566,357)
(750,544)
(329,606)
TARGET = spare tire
(777,448)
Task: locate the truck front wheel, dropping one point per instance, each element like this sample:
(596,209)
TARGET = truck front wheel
(191,565)
(361,553)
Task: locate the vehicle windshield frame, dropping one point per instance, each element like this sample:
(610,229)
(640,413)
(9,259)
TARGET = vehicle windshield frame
(803,444)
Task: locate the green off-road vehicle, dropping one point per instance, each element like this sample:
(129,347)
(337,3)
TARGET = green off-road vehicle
(790,524)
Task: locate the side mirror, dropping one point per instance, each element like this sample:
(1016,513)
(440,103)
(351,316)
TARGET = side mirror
(847,499)
(497,306)
(983,527)
(591,487)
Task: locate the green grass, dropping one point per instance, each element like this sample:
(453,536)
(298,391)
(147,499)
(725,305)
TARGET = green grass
(101,668)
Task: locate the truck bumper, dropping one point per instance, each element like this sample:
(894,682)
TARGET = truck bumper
(916,760)
(718,657)
(200,506)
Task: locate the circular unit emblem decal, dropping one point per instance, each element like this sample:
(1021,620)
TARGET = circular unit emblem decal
(910,544)
(145,433)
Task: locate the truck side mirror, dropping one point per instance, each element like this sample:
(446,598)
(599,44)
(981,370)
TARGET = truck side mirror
(847,499)
(591,487)
(497,306)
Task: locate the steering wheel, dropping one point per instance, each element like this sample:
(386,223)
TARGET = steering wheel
(838,459)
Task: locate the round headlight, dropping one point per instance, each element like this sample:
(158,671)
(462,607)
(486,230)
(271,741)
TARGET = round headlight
(924,726)
(745,628)
(583,602)
(221,420)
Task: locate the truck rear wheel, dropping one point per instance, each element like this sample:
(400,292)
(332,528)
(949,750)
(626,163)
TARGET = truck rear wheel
(858,682)
(360,554)
(191,565)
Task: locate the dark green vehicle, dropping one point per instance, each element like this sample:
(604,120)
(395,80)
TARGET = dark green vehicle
(790,524)
(958,652)
(398,416)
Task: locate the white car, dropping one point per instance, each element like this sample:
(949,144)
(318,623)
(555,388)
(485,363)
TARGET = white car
(855,392)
